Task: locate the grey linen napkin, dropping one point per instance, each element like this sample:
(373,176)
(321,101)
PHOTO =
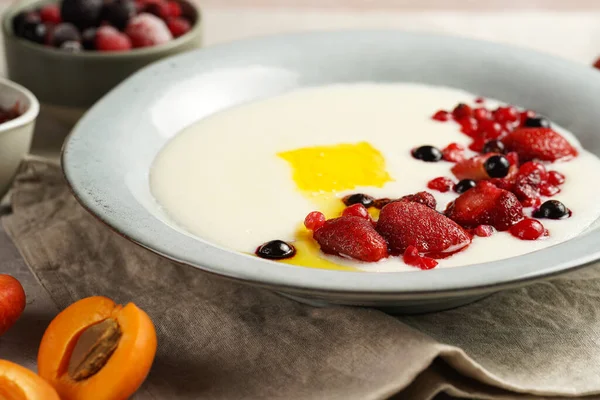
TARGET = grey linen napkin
(223,340)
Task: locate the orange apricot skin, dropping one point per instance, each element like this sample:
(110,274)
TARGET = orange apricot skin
(23,383)
(125,370)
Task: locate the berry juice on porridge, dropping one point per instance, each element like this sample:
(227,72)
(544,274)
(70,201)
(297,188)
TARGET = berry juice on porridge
(378,177)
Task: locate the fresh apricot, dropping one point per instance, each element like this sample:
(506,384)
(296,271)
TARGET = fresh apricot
(96,349)
(12,302)
(19,383)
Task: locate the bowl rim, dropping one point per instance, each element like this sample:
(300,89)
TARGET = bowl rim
(16,7)
(29,115)
(476,278)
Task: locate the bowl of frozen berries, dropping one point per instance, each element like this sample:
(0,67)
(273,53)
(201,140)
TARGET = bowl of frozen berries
(71,52)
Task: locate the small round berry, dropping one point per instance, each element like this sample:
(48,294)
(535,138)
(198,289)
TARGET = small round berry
(276,250)
(441,116)
(464,185)
(555,178)
(356,210)
(82,13)
(469,126)
(528,229)
(532,168)
(441,184)
(477,145)
(65,32)
(548,190)
(50,13)
(88,39)
(71,46)
(493,146)
(178,26)
(314,220)
(490,129)
(533,202)
(506,114)
(536,122)
(482,113)
(497,166)
(484,230)
(118,13)
(454,152)
(427,153)
(358,198)
(110,39)
(462,111)
(552,209)
(147,30)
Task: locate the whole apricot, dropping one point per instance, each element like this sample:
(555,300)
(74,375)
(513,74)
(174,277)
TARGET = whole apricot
(12,302)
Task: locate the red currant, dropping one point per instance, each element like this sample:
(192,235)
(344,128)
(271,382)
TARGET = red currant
(482,113)
(531,202)
(484,230)
(548,190)
(506,114)
(412,257)
(528,229)
(356,210)
(555,178)
(441,115)
(490,129)
(478,145)
(440,184)
(462,111)
(532,167)
(314,220)
(469,126)
(454,152)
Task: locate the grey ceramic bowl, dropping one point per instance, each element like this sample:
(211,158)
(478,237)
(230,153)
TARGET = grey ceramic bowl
(108,169)
(16,134)
(66,83)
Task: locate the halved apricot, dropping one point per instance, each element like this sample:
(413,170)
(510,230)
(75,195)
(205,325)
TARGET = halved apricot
(96,349)
(19,383)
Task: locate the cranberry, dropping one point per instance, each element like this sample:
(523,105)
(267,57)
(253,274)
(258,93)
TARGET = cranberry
(513,158)
(497,166)
(441,116)
(528,229)
(440,184)
(454,152)
(412,257)
(506,114)
(462,111)
(482,113)
(356,210)
(493,146)
(358,198)
(464,185)
(552,209)
(484,230)
(427,153)
(548,190)
(314,220)
(469,126)
(532,167)
(276,250)
(555,178)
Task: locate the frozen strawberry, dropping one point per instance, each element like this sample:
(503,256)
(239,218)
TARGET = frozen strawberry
(454,152)
(412,257)
(404,224)
(352,237)
(50,13)
(178,26)
(110,39)
(147,30)
(486,204)
(424,198)
(539,143)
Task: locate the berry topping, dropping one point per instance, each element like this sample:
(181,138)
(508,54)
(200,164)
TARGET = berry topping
(424,198)
(555,178)
(88,39)
(352,237)
(118,13)
(380,203)
(497,166)
(427,153)
(489,129)
(441,115)
(484,230)
(469,126)
(506,114)
(552,209)
(147,30)
(472,168)
(486,204)
(462,111)
(482,113)
(406,224)
(65,32)
(81,13)
(110,39)
(314,220)
(539,143)
(178,26)
(356,210)
(50,14)
(276,250)
(464,185)
(528,229)
(440,184)
(454,152)
(412,257)
(493,146)
(536,122)
(71,46)
(358,198)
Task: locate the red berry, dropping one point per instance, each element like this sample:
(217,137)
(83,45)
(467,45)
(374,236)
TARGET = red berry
(424,198)
(178,26)
(482,113)
(555,178)
(454,152)
(506,114)
(110,39)
(485,204)
(356,210)
(548,190)
(468,126)
(406,224)
(528,229)
(147,30)
(412,257)
(484,230)
(174,9)
(489,129)
(50,13)
(539,143)
(478,144)
(441,115)
(532,167)
(440,184)
(352,237)
(314,220)
(462,111)
(513,158)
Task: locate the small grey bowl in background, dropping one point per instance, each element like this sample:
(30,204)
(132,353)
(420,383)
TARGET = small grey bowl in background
(16,134)
(66,83)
